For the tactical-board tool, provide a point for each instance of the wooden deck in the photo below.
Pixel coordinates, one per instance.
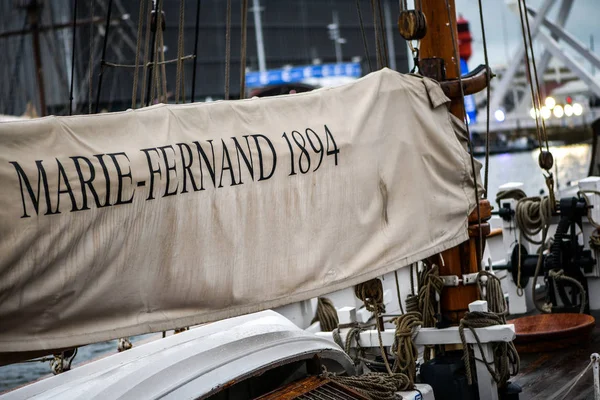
(543, 374)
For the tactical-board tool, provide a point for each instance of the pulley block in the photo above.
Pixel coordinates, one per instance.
(412, 24)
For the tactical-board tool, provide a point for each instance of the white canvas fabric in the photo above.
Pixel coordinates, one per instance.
(119, 224)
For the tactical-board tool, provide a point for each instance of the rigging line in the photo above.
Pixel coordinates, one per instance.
(537, 107)
(171, 61)
(101, 75)
(91, 61)
(163, 67)
(145, 81)
(376, 31)
(227, 49)
(195, 50)
(462, 96)
(155, 84)
(243, 49)
(488, 95)
(179, 52)
(138, 49)
(537, 83)
(73, 58)
(364, 36)
(383, 35)
(148, 83)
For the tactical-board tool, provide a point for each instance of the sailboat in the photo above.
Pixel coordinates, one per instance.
(286, 231)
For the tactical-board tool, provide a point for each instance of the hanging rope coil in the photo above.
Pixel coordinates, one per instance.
(506, 359)
(404, 347)
(326, 314)
(430, 290)
(490, 289)
(371, 294)
(560, 276)
(374, 385)
(532, 215)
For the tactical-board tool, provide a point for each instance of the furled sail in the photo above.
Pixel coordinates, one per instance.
(120, 224)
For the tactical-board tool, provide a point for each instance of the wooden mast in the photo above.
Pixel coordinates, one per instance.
(438, 61)
(437, 44)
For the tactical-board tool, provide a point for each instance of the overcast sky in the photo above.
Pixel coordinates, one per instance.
(503, 28)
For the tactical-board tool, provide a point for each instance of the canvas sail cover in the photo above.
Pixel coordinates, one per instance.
(126, 223)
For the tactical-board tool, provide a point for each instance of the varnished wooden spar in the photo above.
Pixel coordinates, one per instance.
(473, 82)
(438, 60)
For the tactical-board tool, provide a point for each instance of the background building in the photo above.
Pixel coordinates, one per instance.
(294, 33)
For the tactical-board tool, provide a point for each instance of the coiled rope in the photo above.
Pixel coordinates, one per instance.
(430, 289)
(533, 215)
(404, 347)
(374, 385)
(506, 359)
(326, 314)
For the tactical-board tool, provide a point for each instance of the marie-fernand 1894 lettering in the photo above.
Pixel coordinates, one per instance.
(78, 183)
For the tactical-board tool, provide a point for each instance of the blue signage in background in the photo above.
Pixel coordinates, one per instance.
(470, 106)
(298, 74)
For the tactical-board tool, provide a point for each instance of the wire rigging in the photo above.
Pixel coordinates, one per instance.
(228, 50)
(73, 58)
(195, 50)
(488, 96)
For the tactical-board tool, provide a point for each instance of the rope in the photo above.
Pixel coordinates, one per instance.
(228, 49)
(195, 50)
(364, 36)
(138, 49)
(163, 68)
(378, 52)
(60, 364)
(404, 347)
(91, 60)
(174, 60)
(538, 267)
(358, 354)
(537, 83)
(488, 95)
(146, 54)
(326, 314)
(516, 194)
(383, 35)
(490, 289)
(371, 294)
(532, 215)
(430, 288)
(560, 276)
(534, 99)
(398, 292)
(571, 384)
(243, 49)
(505, 354)
(73, 58)
(179, 71)
(584, 193)
(124, 344)
(374, 385)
